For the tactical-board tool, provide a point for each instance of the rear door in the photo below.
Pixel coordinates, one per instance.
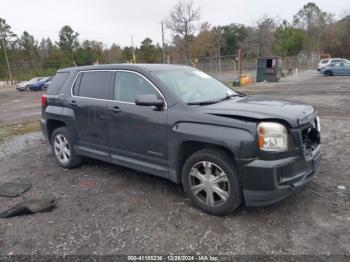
(89, 95)
(347, 69)
(137, 134)
(341, 68)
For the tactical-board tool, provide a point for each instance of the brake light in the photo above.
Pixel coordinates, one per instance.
(43, 101)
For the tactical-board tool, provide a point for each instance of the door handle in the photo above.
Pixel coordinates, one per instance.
(72, 103)
(116, 109)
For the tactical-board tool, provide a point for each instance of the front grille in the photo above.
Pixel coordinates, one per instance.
(310, 135)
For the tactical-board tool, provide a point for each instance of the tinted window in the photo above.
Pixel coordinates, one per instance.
(76, 85)
(57, 83)
(324, 61)
(95, 84)
(129, 85)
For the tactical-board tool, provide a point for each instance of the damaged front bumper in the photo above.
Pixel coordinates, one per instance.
(268, 181)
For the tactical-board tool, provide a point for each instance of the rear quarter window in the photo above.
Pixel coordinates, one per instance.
(57, 83)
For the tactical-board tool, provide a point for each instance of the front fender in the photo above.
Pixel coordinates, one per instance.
(240, 142)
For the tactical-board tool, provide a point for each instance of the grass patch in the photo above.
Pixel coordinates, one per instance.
(18, 129)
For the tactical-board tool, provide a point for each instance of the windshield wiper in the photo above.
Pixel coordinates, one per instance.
(201, 103)
(229, 96)
(209, 102)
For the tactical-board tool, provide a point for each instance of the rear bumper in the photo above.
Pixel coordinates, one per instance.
(43, 128)
(267, 182)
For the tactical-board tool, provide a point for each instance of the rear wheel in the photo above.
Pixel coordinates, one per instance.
(211, 181)
(63, 150)
(328, 73)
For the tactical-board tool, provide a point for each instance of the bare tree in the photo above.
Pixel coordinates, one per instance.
(265, 33)
(182, 20)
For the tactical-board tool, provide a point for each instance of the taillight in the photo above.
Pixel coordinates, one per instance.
(43, 101)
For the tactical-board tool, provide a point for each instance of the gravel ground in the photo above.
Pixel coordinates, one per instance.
(107, 209)
(17, 107)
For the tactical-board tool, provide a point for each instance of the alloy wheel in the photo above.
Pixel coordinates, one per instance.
(61, 148)
(209, 184)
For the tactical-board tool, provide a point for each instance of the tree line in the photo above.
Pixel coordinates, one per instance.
(311, 31)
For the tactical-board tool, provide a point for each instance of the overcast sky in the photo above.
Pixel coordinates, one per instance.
(114, 21)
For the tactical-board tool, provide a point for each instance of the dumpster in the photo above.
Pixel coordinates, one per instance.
(268, 69)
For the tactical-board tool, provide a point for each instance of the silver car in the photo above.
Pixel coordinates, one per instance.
(326, 62)
(23, 86)
(337, 69)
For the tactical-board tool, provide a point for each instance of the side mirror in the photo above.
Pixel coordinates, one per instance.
(149, 100)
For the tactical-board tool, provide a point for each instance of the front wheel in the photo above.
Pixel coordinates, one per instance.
(210, 180)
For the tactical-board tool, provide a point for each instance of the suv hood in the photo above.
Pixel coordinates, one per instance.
(294, 114)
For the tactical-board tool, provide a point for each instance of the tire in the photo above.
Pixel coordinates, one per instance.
(328, 73)
(63, 150)
(215, 163)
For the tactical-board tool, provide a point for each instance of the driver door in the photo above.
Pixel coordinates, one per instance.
(138, 135)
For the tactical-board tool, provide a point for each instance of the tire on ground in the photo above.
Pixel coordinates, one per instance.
(225, 162)
(74, 159)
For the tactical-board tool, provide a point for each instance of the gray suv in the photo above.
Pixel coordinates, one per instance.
(177, 122)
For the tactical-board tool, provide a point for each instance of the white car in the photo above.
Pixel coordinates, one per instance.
(325, 62)
(23, 86)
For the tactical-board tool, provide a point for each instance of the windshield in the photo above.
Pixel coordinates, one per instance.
(193, 86)
(324, 61)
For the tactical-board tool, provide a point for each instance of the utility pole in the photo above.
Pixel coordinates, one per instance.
(219, 56)
(5, 52)
(163, 42)
(240, 64)
(133, 51)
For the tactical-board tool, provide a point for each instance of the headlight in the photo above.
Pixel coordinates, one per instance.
(272, 136)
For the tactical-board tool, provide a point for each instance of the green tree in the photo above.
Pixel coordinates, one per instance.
(89, 53)
(45, 48)
(127, 54)
(315, 22)
(6, 32)
(6, 36)
(230, 37)
(30, 48)
(148, 52)
(57, 59)
(309, 16)
(68, 40)
(288, 40)
(113, 54)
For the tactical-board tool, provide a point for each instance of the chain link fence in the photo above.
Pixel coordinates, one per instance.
(224, 68)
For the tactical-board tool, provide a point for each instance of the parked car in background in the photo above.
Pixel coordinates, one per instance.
(325, 62)
(46, 85)
(39, 85)
(337, 69)
(177, 122)
(23, 86)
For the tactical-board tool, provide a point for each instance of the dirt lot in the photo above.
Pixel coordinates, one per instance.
(18, 107)
(106, 209)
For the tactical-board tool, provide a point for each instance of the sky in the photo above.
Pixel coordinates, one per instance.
(115, 21)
